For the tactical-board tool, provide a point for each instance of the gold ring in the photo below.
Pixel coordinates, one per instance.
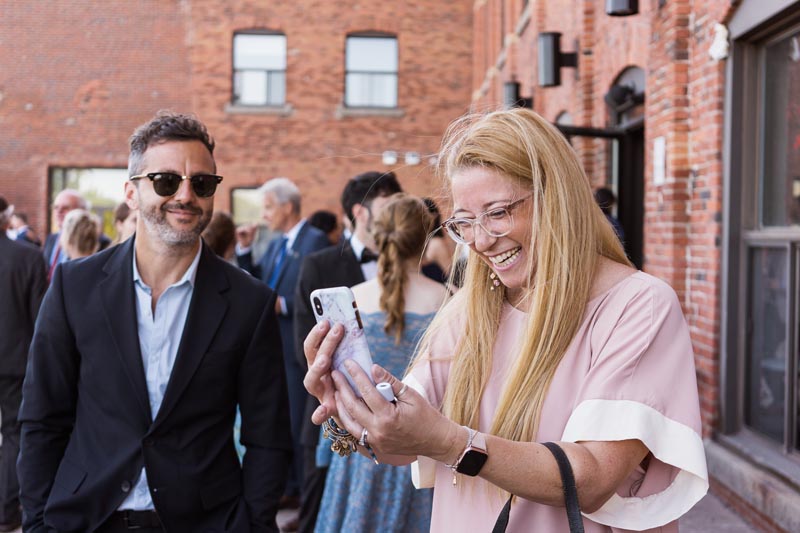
(402, 390)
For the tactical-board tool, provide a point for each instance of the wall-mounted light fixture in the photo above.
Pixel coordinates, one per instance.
(621, 98)
(622, 8)
(551, 59)
(511, 97)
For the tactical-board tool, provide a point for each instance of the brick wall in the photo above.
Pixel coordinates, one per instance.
(75, 80)
(684, 104)
(76, 77)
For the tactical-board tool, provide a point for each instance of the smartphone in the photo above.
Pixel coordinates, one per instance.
(338, 306)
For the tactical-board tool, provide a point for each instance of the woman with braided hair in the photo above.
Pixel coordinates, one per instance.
(395, 309)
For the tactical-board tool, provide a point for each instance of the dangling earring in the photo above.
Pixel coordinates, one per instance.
(495, 281)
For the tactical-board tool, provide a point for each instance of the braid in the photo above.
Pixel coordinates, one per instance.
(400, 232)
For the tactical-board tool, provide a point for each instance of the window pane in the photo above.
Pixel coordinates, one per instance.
(251, 87)
(266, 52)
(103, 188)
(765, 406)
(371, 90)
(277, 88)
(371, 54)
(780, 195)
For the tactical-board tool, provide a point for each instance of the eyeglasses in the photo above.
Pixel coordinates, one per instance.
(168, 183)
(497, 222)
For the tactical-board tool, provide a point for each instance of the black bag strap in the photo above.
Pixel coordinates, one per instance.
(570, 494)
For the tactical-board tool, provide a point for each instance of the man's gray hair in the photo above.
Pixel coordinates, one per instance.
(285, 191)
(83, 203)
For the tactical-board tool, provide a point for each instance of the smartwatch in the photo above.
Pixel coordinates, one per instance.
(474, 456)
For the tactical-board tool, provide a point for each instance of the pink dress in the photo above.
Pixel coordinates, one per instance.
(628, 374)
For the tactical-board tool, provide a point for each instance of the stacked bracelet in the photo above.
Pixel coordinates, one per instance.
(342, 442)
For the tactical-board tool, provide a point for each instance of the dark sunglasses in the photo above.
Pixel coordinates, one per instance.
(168, 183)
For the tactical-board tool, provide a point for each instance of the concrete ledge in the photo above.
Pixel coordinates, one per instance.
(389, 112)
(763, 492)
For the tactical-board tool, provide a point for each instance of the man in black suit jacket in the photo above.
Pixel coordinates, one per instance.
(22, 285)
(140, 357)
(279, 268)
(347, 264)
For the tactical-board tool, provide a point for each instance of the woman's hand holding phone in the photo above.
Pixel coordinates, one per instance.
(338, 337)
(319, 347)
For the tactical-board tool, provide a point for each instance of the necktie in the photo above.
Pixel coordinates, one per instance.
(56, 255)
(368, 256)
(276, 266)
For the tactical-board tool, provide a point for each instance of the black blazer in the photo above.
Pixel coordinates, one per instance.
(87, 428)
(23, 281)
(309, 239)
(335, 266)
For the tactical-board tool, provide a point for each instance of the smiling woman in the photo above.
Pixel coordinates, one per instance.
(553, 337)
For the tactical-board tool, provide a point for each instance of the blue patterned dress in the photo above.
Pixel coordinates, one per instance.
(361, 496)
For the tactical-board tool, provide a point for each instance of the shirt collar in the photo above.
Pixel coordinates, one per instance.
(189, 276)
(357, 246)
(291, 235)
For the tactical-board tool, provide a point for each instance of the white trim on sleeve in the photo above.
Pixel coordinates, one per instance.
(423, 470)
(669, 441)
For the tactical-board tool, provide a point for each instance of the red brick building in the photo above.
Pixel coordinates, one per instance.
(688, 110)
(313, 90)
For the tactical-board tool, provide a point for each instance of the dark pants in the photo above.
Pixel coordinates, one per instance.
(10, 398)
(313, 487)
(314, 479)
(297, 403)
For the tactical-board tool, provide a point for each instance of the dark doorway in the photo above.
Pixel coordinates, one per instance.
(625, 177)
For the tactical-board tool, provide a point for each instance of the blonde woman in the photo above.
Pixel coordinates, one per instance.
(395, 309)
(80, 234)
(553, 337)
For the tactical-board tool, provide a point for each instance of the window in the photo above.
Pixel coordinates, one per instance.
(103, 189)
(765, 252)
(259, 69)
(371, 71)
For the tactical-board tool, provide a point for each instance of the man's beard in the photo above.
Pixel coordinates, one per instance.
(155, 219)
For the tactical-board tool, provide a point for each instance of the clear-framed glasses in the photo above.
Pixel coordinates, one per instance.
(496, 222)
(168, 183)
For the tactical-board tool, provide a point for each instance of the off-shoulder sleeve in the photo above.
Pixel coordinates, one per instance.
(642, 385)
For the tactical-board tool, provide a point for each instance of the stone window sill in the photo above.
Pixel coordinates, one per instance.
(343, 111)
(281, 111)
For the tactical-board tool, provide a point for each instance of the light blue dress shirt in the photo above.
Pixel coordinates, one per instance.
(159, 337)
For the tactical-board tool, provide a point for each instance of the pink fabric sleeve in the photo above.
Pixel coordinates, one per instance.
(641, 385)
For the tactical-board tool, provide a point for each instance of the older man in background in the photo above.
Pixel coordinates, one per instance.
(279, 268)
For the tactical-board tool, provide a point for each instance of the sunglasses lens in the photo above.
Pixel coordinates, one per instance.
(165, 183)
(204, 185)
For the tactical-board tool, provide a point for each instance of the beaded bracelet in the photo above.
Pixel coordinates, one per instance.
(342, 442)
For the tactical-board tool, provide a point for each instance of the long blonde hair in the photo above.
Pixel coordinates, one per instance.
(568, 233)
(400, 232)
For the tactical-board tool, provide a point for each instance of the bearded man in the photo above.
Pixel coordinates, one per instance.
(139, 359)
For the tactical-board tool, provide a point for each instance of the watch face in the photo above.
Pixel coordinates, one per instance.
(472, 462)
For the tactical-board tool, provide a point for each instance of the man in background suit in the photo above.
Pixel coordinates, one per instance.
(279, 268)
(348, 264)
(67, 200)
(23, 282)
(139, 359)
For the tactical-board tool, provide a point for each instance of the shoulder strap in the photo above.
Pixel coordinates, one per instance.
(570, 494)
(570, 490)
